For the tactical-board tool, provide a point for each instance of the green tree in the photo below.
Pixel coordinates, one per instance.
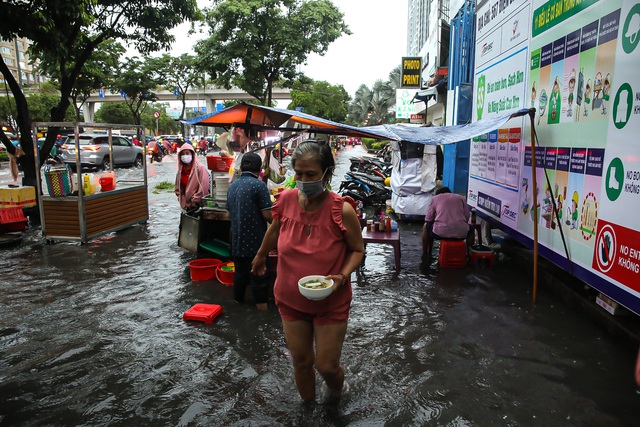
(375, 105)
(360, 107)
(8, 111)
(114, 112)
(179, 74)
(136, 82)
(394, 78)
(383, 100)
(97, 71)
(320, 98)
(254, 44)
(68, 33)
(165, 123)
(41, 100)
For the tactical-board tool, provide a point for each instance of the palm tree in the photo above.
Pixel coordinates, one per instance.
(376, 105)
(394, 78)
(360, 107)
(383, 100)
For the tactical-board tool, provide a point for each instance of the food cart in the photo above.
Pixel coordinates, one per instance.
(83, 215)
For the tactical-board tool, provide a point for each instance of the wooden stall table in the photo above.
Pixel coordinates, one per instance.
(84, 218)
(390, 238)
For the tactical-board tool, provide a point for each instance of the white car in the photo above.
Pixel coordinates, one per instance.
(94, 151)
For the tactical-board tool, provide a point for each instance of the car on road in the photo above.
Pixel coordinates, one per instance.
(94, 151)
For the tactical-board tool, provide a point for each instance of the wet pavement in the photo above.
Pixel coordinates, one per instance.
(93, 335)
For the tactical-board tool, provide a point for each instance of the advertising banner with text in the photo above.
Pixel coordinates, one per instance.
(576, 63)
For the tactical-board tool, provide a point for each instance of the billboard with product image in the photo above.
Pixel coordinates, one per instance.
(575, 62)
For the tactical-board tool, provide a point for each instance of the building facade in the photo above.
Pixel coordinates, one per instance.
(428, 38)
(15, 56)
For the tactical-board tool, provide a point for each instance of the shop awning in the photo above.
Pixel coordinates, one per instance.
(258, 117)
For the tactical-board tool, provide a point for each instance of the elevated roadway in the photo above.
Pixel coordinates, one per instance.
(210, 95)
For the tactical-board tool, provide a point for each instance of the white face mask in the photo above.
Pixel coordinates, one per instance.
(186, 159)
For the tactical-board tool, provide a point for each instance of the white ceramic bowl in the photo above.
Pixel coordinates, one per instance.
(315, 293)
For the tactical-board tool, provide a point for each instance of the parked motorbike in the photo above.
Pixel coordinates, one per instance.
(371, 166)
(54, 157)
(369, 189)
(385, 153)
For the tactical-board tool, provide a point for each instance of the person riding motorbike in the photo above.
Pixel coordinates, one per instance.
(154, 151)
(202, 146)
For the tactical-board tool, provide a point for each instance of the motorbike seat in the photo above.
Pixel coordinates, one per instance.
(374, 178)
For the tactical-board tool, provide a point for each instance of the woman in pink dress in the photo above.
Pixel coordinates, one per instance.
(315, 232)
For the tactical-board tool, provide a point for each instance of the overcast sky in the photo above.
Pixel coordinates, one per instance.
(377, 45)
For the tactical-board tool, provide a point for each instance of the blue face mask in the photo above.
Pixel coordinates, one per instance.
(311, 189)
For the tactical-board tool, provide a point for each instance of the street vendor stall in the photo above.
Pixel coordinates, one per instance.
(72, 209)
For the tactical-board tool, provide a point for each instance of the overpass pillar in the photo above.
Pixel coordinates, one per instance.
(211, 105)
(89, 112)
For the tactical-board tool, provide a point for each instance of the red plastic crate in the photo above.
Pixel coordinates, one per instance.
(203, 312)
(219, 163)
(453, 253)
(12, 219)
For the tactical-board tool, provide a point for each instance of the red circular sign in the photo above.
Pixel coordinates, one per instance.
(156, 114)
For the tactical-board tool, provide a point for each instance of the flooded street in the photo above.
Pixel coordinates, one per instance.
(93, 335)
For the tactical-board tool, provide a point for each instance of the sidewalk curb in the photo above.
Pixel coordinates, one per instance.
(575, 293)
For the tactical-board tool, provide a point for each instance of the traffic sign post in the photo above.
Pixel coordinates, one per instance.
(156, 115)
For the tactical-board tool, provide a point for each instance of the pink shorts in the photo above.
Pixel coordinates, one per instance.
(339, 314)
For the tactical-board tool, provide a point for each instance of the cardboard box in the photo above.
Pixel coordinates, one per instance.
(21, 197)
(610, 305)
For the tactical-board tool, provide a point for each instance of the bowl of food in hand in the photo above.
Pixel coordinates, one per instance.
(315, 287)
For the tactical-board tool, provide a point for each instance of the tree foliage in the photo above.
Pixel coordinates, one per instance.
(99, 69)
(254, 44)
(320, 98)
(375, 105)
(136, 82)
(179, 74)
(67, 33)
(114, 112)
(41, 101)
(119, 112)
(8, 111)
(166, 124)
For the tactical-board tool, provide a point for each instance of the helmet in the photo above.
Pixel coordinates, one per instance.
(575, 198)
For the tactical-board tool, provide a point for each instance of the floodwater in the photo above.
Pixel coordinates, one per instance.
(92, 335)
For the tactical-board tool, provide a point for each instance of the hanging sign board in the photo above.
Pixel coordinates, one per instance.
(411, 71)
(404, 103)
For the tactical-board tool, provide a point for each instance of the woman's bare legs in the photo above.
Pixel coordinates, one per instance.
(329, 340)
(299, 336)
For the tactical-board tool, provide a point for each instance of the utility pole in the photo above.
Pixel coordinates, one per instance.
(15, 43)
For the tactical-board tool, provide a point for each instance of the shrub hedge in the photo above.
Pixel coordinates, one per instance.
(373, 144)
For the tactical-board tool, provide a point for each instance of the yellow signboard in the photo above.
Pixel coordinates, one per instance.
(411, 71)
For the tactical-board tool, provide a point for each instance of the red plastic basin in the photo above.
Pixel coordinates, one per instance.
(225, 272)
(203, 268)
